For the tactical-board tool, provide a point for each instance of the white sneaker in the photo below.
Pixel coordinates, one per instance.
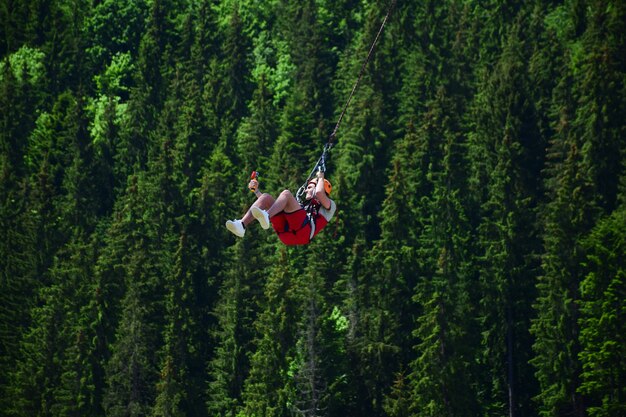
(236, 227)
(261, 216)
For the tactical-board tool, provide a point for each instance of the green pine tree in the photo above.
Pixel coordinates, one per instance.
(602, 309)
(235, 312)
(131, 371)
(114, 28)
(180, 385)
(508, 158)
(320, 367)
(444, 370)
(257, 132)
(583, 183)
(386, 315)
(268, 391)
(148, 248)
(79, 367)
(21, 262)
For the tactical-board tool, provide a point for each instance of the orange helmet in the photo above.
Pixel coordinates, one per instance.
(327, 185)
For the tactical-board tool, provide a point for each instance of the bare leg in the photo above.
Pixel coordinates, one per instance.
(285, 202)
(264, 202)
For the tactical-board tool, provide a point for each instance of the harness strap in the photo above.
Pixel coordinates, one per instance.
(312, 223)
(311, 213)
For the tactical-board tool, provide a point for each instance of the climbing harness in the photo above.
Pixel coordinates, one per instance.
(320, 165)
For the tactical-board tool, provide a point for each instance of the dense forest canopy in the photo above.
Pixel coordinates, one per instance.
(476, 263)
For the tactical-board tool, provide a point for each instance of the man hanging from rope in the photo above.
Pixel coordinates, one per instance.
(295, 223)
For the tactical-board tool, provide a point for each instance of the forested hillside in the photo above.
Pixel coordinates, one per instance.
(476, 265)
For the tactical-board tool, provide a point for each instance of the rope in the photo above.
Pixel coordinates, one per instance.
(321, 162)
(361, 72)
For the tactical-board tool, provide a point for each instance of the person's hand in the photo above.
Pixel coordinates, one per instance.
(253, 185)
(320, 174)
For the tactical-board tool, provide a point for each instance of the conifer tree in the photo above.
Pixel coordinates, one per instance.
(557, 286)
(226, 82)
(18, 284)
(219, 197)
(114, 28)
(235, 311)
(131, 371)
(507, 156)
(13, 31)
(19, 281)
(268, 390)
(444, 369)
(153, 60)
(22, 79)
(179, 390)
(299, 22)
(236, 86)
(601, 321)
(366, 131)
(385, 319)
(66, 369)
(131, 151)
(99, 315)
(397, 403)
(582, 184)
(18, 236)
(37, 373)
(193, 140)
(320, 367)
(358, 175)
(294, 143)
(79, 366)
(81, 206)
(185, 206)
(396, 261)
(257, 132)
(60, 148)
(204, 44)
(309, 380)
(104, 130)
(110, 283)
(64, 43)
(153, 204)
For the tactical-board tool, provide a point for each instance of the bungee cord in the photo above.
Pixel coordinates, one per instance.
(321, 162)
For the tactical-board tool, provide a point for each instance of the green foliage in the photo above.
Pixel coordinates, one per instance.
(602, 307)
(114, 28)
(443, 368)
(507, 151)
(131, 375)
(180, 385)
(579, 194)
(26, 64)
(235, 312)
(18, 287)
(268, 390)
(257, 131)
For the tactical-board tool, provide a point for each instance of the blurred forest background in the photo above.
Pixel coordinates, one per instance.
(476, 266)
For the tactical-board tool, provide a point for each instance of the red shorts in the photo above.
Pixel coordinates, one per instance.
(292, 228)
